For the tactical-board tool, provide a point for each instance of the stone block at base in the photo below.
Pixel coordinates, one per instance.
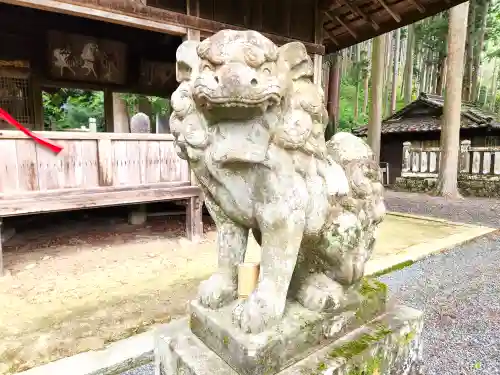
(300, 332)
(388, 345)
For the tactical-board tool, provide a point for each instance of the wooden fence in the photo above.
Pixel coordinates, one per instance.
(474, 161)
(88, 161)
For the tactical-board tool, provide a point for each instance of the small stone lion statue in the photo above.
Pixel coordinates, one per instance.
(250, 121)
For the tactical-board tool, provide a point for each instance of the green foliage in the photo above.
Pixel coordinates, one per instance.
(71, 108)
(346, 108)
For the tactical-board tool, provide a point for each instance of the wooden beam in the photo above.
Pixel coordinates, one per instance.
(366, 32)
(16, 207)
(419, 6)
(99, 14)
(328, 15)
(177, 23)
(396, 17)
(355, 9)
(331, 37)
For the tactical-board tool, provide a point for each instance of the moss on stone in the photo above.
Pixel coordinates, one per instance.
(369, 287)
(407, 338)
(225, 341)
(322, 366)
(370, 367)
(396, 267)
(355, 347)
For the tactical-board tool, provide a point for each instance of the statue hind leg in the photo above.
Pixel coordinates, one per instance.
(221, 288)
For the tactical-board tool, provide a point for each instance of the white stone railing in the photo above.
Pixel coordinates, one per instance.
(473, 161)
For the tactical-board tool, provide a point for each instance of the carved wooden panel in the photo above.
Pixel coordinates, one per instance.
(85, 58)
(156, 74)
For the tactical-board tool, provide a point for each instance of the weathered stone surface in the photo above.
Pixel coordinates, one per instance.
(250, 121)
(138, 217)
(389, 345)
(300, 332)
(140, 123)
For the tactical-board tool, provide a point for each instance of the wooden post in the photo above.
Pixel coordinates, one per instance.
(1, 251)
(108, 111)
(37, 102)
(406, 156)
(193, 9)
(465, 156)
(92, 125)
(194, 219)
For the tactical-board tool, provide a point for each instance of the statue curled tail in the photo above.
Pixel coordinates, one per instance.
(356, 215)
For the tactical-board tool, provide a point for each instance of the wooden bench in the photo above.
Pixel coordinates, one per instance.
(93, 170)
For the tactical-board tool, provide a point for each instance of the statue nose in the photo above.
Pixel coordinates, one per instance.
(235, 76)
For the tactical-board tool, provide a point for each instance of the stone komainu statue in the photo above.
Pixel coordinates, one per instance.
(250, 122)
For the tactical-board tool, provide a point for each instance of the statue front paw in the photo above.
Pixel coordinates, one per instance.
(256, 313)
(219, 290)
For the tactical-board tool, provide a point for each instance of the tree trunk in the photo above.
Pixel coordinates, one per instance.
(450, 129)
(120, 114)
(395, 70)
(387, 74)
(483, 15)
(377, 74)
(423, 71)
(493, 87)
(440, 74)
(408, 80)
(366, 89)
(467, 80)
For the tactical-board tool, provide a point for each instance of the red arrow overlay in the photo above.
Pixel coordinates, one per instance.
(41, 141)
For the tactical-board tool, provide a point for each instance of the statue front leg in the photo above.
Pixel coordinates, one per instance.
(282, 230)
(221, 288)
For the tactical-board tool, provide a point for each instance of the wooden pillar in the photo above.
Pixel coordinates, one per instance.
(333, 92)
(318, 70)
(1, 251)
(193, 9)
(36, 92)
(194, 209)
(318, 38)
(194, 219)
(108, 111)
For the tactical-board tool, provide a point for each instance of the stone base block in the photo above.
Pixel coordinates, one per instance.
(138, 217)
(388, 345)
(301, 331)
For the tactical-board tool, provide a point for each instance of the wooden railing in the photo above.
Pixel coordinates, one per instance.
(473, 161)
(89, 161)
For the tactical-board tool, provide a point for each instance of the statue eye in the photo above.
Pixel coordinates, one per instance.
(207, 68)
(266, 70)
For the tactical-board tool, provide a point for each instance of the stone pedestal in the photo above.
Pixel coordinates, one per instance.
(361, 335)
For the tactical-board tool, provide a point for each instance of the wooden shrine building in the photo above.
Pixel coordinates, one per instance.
(419, 124)
(129, 46)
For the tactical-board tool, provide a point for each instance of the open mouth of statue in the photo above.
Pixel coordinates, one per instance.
(263, 101)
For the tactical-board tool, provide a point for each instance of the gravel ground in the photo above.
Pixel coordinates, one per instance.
(469, 210)
(458, 290)
(459, 293)
(143, 370)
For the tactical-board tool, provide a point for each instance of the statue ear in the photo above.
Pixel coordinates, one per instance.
(187, 60)
(293, 57)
